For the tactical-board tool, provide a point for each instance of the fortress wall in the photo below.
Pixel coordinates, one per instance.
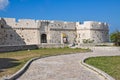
(23, 32)
(62, 25)
(83, 34)
(93, 25)
(22, 23)
(44, 26)
(27, 31)
(93, 31)
(10, 37)
(99, 36)
(71, 36)
(99, 32)
(2, 35)
(19, 36)
(57, 28)
(10, 22)
(29, 36)
(27, 23)
(56, 36)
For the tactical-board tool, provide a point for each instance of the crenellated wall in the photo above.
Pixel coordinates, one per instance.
(93, 32)
(23, 32)
(30, 32)
(59, 28)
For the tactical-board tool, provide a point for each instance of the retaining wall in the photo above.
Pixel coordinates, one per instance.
(17, 48)
(29, 47)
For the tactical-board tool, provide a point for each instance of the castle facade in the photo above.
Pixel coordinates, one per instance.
(30, 32)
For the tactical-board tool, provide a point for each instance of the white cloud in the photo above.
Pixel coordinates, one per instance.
(3, 4)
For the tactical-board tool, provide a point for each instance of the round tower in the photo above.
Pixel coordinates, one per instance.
(92, 32)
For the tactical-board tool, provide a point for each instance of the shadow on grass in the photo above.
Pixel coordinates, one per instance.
(6, 63)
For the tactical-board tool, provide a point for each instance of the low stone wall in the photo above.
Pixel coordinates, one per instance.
(105, 48)
(17, 48)
(97, 44)
(29, 47)
(101, 48)
(44, 45)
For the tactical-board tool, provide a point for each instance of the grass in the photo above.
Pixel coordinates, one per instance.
(110, 65)
(10, 62)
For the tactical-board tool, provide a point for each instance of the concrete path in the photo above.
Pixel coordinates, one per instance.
(65, 67)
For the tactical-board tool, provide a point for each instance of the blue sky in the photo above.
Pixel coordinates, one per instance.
(67, 10)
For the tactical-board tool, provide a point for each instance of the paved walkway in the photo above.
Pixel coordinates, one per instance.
(65, 67)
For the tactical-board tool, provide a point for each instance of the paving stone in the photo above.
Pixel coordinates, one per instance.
(65, 67)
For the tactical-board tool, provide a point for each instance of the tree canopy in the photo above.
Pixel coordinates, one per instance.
(115, 37)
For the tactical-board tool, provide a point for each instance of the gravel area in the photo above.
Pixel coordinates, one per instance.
(65, 67)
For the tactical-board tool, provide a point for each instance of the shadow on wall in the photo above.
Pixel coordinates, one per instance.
(9, 36)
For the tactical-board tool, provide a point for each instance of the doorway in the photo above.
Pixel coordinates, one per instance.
(43, 38)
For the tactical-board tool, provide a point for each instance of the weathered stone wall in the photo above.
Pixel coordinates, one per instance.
(92, 32)
(29, 36)
(56, 36)
(29, 32)
(99, 36)
(9, 48)
(83, 35)
(23, 32)
(57, 29)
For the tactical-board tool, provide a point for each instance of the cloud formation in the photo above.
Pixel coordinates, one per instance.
(3, 4)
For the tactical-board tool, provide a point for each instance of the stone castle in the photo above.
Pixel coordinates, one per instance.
(30, 32)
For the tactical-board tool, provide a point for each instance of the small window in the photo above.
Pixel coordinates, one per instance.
(2, 26)
(79, 35)
(58, 24)
(22, 36)
(11, 35)
(22, 28)
(6, 35)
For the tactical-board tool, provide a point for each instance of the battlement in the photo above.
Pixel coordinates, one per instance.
(21, 23)
(62, 25)
(92, 25)
(30, 31)
(31, 23)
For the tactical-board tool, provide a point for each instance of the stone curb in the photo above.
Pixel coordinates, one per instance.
(98, 71)
(21, 71)
(25, 67)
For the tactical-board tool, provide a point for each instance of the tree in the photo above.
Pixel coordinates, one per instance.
(115, 37)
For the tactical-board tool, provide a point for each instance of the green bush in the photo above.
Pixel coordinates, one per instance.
(115, 37)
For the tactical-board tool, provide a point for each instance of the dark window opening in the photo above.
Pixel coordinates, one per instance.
(11, 35)
(2, 26)
(43, 38)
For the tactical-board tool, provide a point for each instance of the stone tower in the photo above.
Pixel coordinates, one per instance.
(92, 32)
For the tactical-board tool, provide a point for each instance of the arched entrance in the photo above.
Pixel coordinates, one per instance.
(64, 38)
(43, 38)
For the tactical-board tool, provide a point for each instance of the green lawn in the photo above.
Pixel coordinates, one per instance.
(10, 62)
(110, 65)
